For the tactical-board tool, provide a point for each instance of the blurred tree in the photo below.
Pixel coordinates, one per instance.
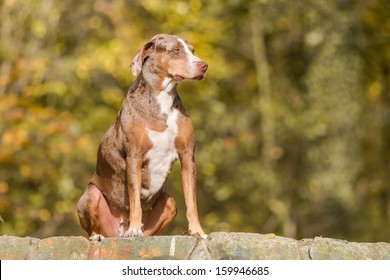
(334, 98)
(373, 188)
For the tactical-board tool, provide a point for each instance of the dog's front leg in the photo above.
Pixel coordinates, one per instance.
(188, 174)
(134, 179)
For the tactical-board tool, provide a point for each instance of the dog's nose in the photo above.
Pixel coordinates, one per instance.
(204, 66)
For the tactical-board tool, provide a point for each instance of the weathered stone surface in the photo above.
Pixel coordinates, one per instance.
(140, 248)
(63, 248)
(332, 249)
(304, 247)
(252, 246)
(201, 251)
(218, 245)
(17, 248)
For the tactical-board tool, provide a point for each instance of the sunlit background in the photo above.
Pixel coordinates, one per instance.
(292, 121)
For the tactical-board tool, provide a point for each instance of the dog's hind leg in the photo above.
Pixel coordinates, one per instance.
(160, 216)
(95, 216)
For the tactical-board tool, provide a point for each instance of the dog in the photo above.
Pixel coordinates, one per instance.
(151, 131)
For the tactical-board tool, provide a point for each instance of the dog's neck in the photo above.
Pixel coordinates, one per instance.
(167, 95)
(154, 99)
(153, 86)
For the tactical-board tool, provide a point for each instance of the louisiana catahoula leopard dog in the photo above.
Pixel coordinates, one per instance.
(152, 130)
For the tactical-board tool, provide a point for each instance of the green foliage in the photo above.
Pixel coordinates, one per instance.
(292, 121)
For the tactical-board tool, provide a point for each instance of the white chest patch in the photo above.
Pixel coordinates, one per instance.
(163, 153)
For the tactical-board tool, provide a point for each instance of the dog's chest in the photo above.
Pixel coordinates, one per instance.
(163, 152)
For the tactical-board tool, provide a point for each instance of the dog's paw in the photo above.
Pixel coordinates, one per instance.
(96, 237)
(200, 235)
(204, 236)
(133, 232)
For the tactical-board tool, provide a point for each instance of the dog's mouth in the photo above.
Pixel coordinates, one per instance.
(200, 77)
(180, 78)
(198, 72)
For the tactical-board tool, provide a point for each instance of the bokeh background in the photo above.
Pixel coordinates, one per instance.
(292, 121)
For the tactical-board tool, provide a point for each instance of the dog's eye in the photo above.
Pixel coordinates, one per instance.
(177, 49)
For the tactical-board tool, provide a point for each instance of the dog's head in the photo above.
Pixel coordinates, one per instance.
(168, 56)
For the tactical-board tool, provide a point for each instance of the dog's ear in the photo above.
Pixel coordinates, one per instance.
(141, 57)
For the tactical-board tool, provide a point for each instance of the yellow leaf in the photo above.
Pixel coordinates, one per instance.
(44, 215)
(271, 235)
(25, 170)
(374, 91)
(4, 187)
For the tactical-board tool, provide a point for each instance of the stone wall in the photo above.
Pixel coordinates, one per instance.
(218, 245)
